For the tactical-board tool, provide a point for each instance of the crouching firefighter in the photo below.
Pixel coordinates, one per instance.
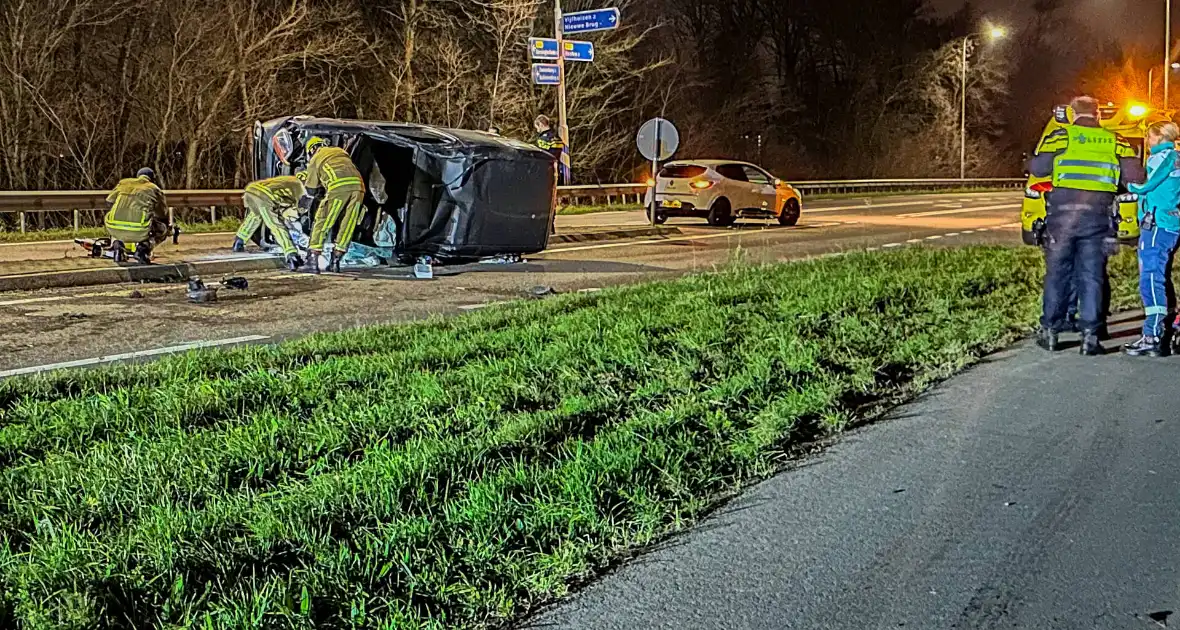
(138, 215)
(1087, 164)
(266, 201)
(332, 169)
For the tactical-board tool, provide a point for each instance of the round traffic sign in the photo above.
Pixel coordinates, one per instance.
(658, 139)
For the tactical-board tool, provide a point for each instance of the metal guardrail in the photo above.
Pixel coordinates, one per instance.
(93, 202)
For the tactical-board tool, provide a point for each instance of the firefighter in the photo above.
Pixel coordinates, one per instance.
(266, 200)
(332, 169)
(1087, 164)
(138, 215)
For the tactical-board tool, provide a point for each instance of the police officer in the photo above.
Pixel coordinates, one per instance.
(549, 140)
(1087, 164)
(138, 215)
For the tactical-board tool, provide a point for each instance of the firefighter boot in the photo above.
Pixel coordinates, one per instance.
(1145, 347)
(117, 252)
(1091, 347)
(294, 262)
(143, 253)
(312, 264)
(334, 262)
(239, 246)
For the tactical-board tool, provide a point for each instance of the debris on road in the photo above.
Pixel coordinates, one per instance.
(198, 293)
(237, 283)
(136, 295)
(507, 259)
(423, 270)
(542, 291)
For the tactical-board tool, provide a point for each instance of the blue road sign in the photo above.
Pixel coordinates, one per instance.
(578, 51)
(546, 74)
(590, 21)
(545, 48)
(542, 48)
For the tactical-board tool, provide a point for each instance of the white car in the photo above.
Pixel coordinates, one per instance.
(722, 191)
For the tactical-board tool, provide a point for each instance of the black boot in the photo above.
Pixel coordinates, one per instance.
(1145, 347)
(1091, 347)
(239, 246)
(312, 264)
(117, 252)
(143, 253)
(294, 262)
(1047, 339)
(334, 262)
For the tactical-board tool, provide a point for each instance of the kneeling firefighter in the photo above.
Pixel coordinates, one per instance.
(332, 169)
(266, 201)
(138, 215)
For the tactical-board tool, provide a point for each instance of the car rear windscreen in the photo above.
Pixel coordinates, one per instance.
(682, 171)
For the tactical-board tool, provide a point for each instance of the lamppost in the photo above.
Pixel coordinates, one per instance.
(995, 33)
(1151, 80)
(1167, 46)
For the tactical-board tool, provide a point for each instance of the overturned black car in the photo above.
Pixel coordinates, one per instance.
(453, 195)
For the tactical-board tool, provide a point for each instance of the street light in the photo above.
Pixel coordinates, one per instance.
(995, 33)
(1151, 79)
(1167, 47)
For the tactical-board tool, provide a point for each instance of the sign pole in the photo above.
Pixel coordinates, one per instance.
(655, 172)
(563, 130)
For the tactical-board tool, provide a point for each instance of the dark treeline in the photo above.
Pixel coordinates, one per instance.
(92, 89)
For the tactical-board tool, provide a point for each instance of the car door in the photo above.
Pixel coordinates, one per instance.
(737, 187)
(762, 188)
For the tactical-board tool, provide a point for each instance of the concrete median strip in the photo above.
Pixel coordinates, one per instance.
(182, 271)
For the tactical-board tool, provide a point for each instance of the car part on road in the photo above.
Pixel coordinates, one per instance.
(237, 283)
(198, 293)
(541, 291)
(423, 269)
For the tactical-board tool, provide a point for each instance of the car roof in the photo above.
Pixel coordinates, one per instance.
(710, 163)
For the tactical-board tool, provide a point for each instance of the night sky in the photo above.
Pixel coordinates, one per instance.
(1130, 21)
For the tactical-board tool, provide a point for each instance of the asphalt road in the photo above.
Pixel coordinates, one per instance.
(1035, 491)
(50, 327)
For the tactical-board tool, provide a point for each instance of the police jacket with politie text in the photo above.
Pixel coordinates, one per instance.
(1056, 143)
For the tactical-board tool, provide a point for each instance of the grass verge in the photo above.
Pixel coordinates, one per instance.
(456, 473)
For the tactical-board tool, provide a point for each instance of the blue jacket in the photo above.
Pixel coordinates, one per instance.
(1161, 193)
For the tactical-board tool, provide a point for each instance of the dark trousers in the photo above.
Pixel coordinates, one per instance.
(1075, 260)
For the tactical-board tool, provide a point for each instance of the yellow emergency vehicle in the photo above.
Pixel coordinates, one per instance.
(1131, 123)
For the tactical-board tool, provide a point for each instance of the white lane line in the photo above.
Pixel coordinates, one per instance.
(869, 206)
(196, 345)
(891, 245)
(914, 240)
(935, 213)
(32, 301)
(934, 238)
(967, 232)
(951, 234)
(676, 239)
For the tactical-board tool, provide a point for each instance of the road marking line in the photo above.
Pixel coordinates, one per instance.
(676, 239)
(924, 202)
(196, 345)
(891, 245)
(914, 240)
(951, 234)
(933, 238)
(967, 232)
(935, 213)
(32, 301)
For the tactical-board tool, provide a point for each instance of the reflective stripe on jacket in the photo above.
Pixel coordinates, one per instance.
(1088, 161)
(332, 168)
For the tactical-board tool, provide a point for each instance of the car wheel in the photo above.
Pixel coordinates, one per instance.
(790, 213)
(721, 214)
(661, 216)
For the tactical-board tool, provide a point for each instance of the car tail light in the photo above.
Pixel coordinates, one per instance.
(703, 184)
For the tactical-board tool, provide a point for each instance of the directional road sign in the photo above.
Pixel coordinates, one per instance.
(578, 51)
(543, 48)
(546, 48)
(590, 21)
(546, 74)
